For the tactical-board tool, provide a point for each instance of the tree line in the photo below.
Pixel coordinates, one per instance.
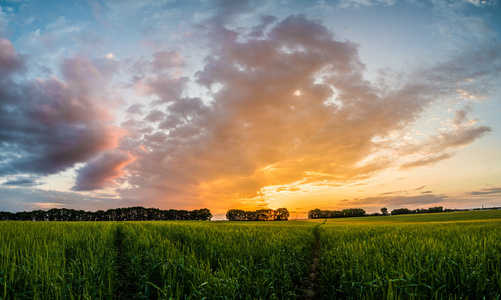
(137, 213)
(325, 214)
(406, 211)
(266, 214)
(358, 212)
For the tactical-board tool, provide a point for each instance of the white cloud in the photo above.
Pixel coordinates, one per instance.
(482, 2)
(358, 3)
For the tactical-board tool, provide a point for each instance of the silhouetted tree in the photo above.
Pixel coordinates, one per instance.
(137, 213)
(315, 213)
(236, 215)
(436, 209)
(384, 211)
(402, 211)
(321, 214)
(281, 214)
(265, 214)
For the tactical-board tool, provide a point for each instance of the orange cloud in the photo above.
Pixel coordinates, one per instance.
(292, 110)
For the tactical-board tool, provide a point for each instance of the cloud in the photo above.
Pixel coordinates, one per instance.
(458, 28)
(125, 8)
(257, 131)
(62, 26)
(48, 41)
(458, 138)
(3, 21)
(226, 11)
(437, 144)
(135, 109)
(23, 181)
(10, 60)
(167, 59)
(154, 116)
(463, 131)
(482, 2)
(101, 171)
(265, 21)
(359, 3)
(162, 62)
(288, 107)
(167, 88)
(426, 161)
(255, 118)
(461, 116)
(16, 199)
(400, 201)
(161, 76)
(491, 191)
(48, 125)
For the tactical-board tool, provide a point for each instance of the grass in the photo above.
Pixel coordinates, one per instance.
(450, 255)
(211, 260)
(443, 255)
(50, 260)
(458, 216)
(153, 260)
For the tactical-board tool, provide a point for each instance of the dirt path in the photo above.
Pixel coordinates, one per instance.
(311, 281)
(124, 288)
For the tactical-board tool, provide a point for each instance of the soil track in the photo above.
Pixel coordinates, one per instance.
(125, 286)
(310, 282)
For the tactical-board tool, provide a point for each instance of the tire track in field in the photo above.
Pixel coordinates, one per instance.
(310, 283)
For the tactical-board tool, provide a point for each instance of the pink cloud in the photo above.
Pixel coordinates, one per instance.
(55, 123)
(10, 60)
(101, 171)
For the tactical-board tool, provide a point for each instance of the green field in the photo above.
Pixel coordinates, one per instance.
(449, 255)
(444, 255)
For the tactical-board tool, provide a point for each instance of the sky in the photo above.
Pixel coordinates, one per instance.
(225, 104)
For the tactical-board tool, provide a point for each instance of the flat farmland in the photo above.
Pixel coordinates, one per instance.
(449, 255)
(153, 260)
(444, 255)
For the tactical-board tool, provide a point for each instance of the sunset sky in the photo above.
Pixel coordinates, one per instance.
(250, 104)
